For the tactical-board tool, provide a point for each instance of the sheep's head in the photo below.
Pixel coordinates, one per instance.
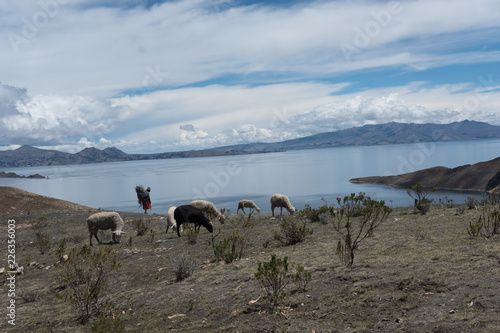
(292, 210)
(210, 227)
(117, 235)
(221, 219)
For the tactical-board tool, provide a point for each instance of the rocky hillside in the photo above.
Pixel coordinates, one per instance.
(483, 176)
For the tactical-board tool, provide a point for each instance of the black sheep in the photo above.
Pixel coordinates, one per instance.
(189, 214)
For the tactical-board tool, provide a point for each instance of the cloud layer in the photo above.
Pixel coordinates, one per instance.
(193, 74)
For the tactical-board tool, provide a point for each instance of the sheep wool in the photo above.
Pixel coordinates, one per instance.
(281, 201)
(171, 223)
(242, 204)
(208, 208)
(104, 221)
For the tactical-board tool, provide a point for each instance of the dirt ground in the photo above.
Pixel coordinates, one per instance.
(415, 274)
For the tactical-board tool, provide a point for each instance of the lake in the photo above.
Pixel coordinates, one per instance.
(305, 176)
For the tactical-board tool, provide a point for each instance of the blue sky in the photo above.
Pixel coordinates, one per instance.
(153, 76)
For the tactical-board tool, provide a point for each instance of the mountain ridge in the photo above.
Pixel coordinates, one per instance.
(382, 134)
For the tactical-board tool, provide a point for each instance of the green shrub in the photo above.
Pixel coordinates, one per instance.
(183, 267)
(475, 227)
(140, 227)
(421, 196)
(61, 248)
(301, 278)
(292, 233)
(42, 240)
(108, 325)
(84, 276)
(192, 236)
(273, 278)
(230, 248)
(356, 220)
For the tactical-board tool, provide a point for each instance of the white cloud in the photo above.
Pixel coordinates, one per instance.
(119, 73)
(52, 119)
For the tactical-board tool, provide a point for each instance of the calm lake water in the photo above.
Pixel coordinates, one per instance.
(305, 176)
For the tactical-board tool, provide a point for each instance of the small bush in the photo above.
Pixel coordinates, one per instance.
(314, 215)
(475, 227)
(85, 275)
(183, 267)
(292, 233)
(273, 278)
(108, 325)
(230, 248)
(42, 240)
(471, 202)
(192, 236)
(421, 196)
(61, 248)
(301, 278)
(140, 227)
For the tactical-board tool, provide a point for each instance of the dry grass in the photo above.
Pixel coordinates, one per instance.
(416, 274)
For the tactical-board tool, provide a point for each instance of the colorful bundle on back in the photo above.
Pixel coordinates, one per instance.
(139, 189)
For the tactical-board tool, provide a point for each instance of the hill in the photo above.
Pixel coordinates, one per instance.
(15, 201)
(483, 176)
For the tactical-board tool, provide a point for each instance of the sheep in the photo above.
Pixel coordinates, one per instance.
(281, 200)
(171, 223)
(189, 214)
(208, 207)
(104, 221)
(248, 204)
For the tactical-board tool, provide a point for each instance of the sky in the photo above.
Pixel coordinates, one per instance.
(157, 76)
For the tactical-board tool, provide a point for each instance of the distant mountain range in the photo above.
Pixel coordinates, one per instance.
(483, 176)
(390, 133)
(384, 134)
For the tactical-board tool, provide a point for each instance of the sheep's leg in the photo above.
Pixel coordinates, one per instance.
(281, 210)
(272, 210)
(178, 226)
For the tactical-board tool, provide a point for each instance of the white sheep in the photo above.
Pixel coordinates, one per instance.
(171, 223)
(104, 221)
(208, 208)
(281, 200)
(242, 204)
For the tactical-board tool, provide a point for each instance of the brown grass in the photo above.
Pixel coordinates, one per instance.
(416, 274)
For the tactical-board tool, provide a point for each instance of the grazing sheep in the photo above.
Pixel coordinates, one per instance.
(104, 221)
(207, 207)
(242, 204)
(189, 214)
(171, 223)
(281, 200)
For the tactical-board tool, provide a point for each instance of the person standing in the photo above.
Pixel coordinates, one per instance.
(144, 198)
